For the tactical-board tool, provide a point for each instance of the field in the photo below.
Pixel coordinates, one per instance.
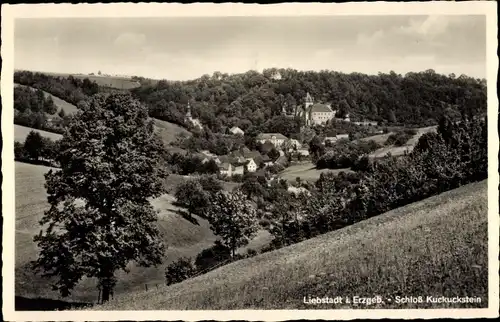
(306, 171)
(61, 104)
(436, 247)
(105, 81)
(21, 132)
(399, 150)
(168, 131)
(182, 237)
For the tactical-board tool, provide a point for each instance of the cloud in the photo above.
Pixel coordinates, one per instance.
(130, 39)
(364, 39)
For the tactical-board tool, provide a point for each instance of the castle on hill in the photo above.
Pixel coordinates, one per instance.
(314, 113)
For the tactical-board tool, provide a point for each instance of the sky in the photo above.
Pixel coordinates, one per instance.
(182, 48)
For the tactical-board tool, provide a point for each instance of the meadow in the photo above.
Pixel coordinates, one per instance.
(437, 247)
(21, 132)
(104, 81)
(398, 150)
(306, 171)
(183, 237)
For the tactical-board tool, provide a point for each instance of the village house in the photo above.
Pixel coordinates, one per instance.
(331, 139)
(238, 169)
(303, 152)
(236, 131)
(251, 165)
(226, 169)
(294, 143)
(342, 136)
(266, 160)
(277, 139)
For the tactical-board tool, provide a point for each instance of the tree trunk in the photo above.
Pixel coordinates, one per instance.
(105, 293)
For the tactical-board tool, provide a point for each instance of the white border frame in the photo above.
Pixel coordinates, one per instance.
(10, 12)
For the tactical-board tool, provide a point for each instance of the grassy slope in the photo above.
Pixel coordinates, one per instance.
(437, 246)
(182, 237)
(306, 171)
(61, 104)
(166, 130)
(21, 132)
(106, 81)
(399, 150)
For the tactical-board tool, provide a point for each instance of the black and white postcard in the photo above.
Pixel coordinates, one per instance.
(249, 162)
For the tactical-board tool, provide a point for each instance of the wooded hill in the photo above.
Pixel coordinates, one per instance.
(253, 100)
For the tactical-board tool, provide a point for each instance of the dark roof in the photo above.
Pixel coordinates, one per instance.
(266, 158)
(283, 160)
(320, 108)
(224, 166)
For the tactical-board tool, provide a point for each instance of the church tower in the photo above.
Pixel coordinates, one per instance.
(307, 109)
(188, 113)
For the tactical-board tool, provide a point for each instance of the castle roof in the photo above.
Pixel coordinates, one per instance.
(320, 108)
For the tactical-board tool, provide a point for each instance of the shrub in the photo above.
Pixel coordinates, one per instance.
(179, 270)
(212, 256)
(345, 154)
(400, 138)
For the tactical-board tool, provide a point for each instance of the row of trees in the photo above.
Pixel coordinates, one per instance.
(454, 156)
(252, 99)
(36, 149)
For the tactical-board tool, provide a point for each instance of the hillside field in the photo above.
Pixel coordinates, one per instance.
(399, 150)
(169, 131)
(104, 81)
(306, 171)
(182, 237)
(436, 247)
(21, 132)
(59, 103)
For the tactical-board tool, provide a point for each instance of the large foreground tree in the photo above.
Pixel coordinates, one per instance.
(100, 218)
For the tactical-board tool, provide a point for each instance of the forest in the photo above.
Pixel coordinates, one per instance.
(254, 101)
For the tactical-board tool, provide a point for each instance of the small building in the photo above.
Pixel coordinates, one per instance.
(342, 136)
(251, 165)
(331, 139)
(295, 144)
(236, 131)
(238, 169)
(303, 152)
(277, 139)
(226, 169)
(266, 160)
